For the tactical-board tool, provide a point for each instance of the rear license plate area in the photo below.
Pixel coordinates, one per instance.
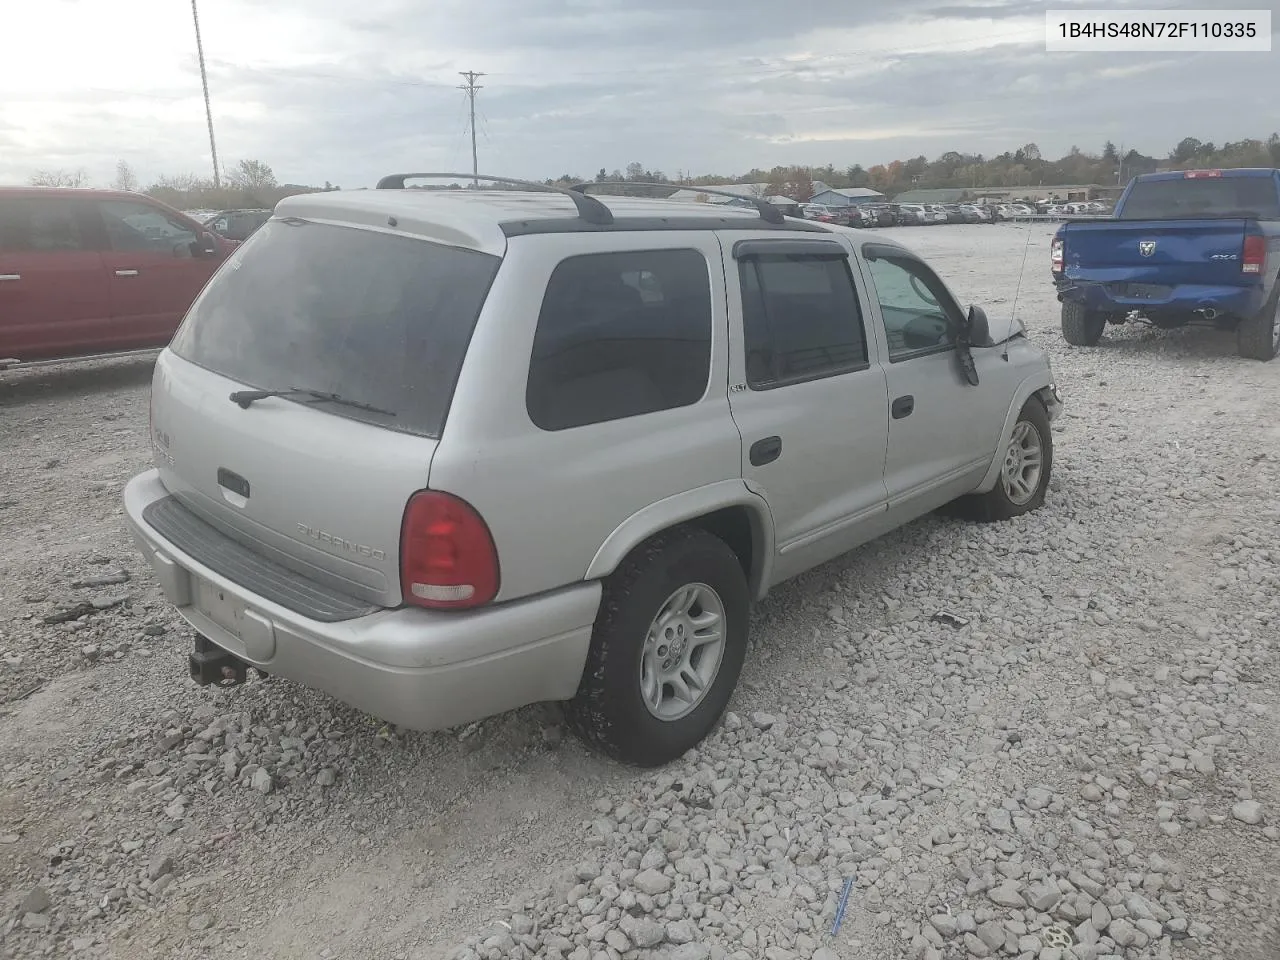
(1142, 291)
(220, 607)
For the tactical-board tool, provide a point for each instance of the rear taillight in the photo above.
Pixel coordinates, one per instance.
(447, 557)
(1255, 254)
(1056, 250)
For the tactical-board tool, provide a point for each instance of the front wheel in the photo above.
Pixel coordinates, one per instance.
(1081, 327)
(667, 649)
(1258, 337)
(1026, 465)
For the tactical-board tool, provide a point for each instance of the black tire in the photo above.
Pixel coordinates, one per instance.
(1256, 337)
(608, 712)
(996, 505)
(1081, 327)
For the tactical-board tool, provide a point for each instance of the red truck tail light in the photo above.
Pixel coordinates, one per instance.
(448, 560)
(1255, 254)
(1057, 251)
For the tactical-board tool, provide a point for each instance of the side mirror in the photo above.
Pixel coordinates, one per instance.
(207, 245)
(979, 328)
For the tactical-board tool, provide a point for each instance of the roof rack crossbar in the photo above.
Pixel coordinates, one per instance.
(767, 210)
(589, 208)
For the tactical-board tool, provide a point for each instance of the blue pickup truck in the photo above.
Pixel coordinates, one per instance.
(1188, 246)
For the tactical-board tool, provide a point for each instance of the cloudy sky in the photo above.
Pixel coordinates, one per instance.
(345, 90)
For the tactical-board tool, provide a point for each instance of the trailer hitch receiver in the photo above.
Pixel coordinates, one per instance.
(209, 663)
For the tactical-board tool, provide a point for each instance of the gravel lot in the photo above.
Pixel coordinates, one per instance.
(1092, 761)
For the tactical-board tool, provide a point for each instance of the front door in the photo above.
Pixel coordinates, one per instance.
(54, 299)
(943, 431)
(155, 267)
(807, 393)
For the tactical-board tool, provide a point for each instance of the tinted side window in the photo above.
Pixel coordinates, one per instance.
(801, 319)
(41, 225)
(913, 303)
(620, 335)
(136, 227)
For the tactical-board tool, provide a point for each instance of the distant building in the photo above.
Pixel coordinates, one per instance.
(939, 195)
(844, 196)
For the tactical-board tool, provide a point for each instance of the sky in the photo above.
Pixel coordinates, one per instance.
(347, 90)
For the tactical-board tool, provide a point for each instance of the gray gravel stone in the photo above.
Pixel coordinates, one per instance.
(1247, 811)
(651, 882)
(37, 900)
(1007, 894)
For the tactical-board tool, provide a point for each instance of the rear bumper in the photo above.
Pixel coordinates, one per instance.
(1244, 301)
(421, 669)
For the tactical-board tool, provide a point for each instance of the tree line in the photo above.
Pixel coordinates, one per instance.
(1024, 167)
(248, 184)
(252, 183)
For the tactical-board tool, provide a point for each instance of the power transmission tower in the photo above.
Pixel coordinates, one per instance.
(470, 88)
(208, 110)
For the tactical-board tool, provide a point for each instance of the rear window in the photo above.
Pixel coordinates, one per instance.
(1202, 198)
(377, 319)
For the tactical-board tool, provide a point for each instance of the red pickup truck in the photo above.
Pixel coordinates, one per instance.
(91, 272)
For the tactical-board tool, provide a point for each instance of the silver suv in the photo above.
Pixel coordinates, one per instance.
(443, 453)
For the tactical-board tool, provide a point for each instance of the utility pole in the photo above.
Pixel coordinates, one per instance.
(470, 88)
(208, 110)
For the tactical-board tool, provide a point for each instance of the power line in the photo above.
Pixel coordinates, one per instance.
(471, 88)
(208, 110)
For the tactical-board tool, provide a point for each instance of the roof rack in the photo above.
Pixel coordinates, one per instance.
(767, 210)
(589, 208)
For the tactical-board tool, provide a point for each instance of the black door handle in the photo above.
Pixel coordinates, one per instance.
(902, 407)
(765, 451)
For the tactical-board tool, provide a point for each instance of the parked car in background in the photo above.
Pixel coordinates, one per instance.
(797, 388)
(877, 215)
(817, 211)
(86, 272)
(910, 214)
(974, 213)
(237, 225)
(934, 214)
(954, 213)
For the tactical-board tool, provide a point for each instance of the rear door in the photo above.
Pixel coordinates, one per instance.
(155, 266)
(54, 298)
(807, 393)
(380, 320)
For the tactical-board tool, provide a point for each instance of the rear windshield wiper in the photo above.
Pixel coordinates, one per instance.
(246, 397)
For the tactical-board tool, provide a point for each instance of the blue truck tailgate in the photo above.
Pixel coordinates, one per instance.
(1164, 252)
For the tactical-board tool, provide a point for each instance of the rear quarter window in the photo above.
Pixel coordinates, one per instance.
(378, 319)
(620, 335)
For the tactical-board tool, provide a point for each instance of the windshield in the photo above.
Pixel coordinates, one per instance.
(376, 319)
(1202, 198)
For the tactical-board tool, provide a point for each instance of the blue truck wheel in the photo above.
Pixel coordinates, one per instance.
(1081, 327)
(1258, 337)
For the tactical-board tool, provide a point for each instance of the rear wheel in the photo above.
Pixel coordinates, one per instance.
(1026, 465)
(1258, 337)
(667, 649)
(1081, 327)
